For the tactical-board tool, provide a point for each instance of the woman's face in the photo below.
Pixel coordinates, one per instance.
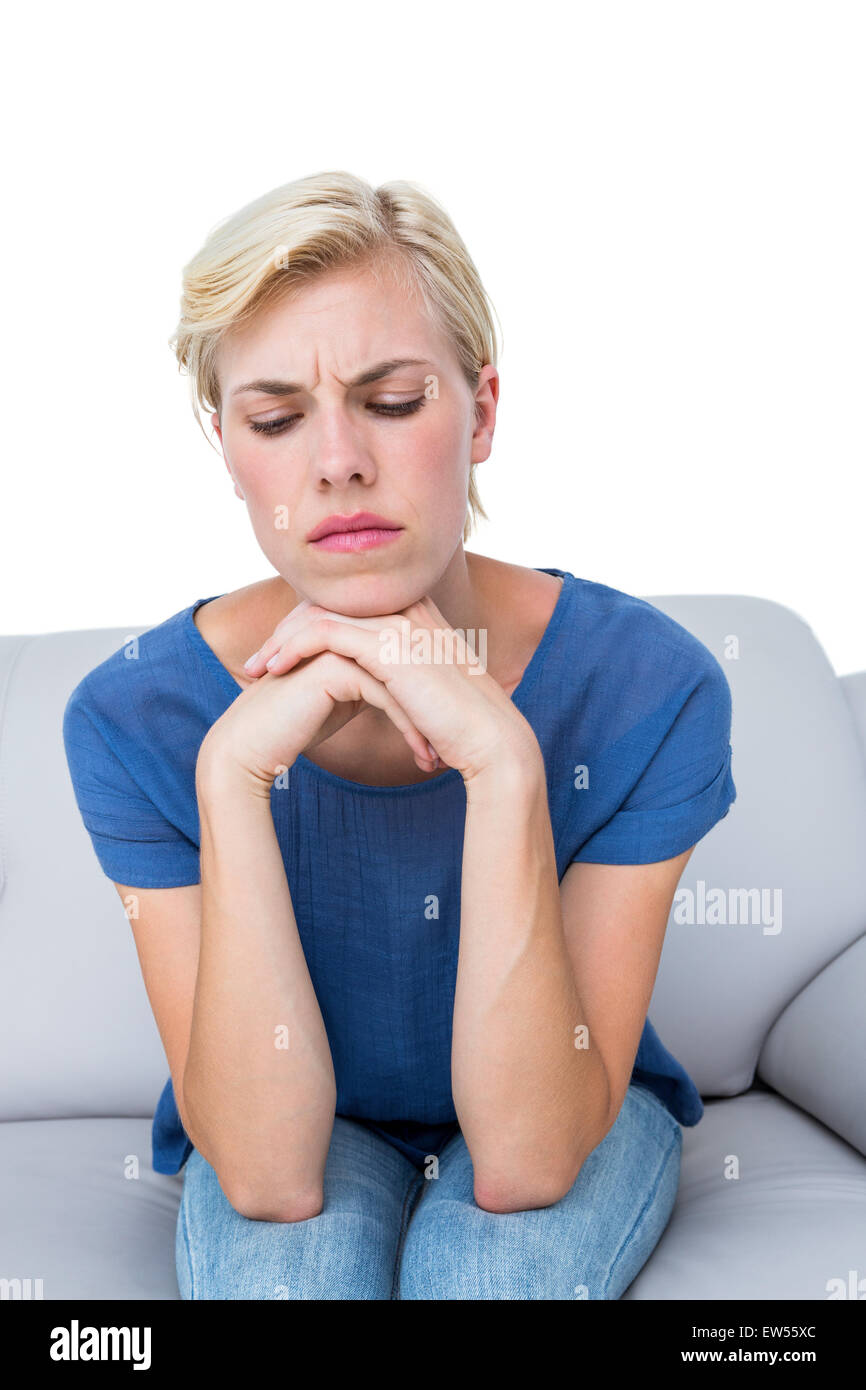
(306, 437)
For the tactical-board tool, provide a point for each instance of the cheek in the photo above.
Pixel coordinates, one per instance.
(266, 480)
(438, 461)
(256, 465)
(270, 492)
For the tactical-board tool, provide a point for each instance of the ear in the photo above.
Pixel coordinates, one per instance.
(486, 400)
(215, 421)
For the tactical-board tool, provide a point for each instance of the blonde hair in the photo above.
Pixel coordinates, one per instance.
(332, 220)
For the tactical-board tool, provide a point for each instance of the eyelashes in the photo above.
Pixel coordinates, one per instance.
(270, 427)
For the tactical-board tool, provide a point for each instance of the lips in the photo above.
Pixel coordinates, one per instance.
(361, 521)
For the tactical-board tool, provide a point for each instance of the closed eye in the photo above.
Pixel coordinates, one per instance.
(285, 422)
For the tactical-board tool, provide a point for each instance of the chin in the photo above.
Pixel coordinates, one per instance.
(368, 595)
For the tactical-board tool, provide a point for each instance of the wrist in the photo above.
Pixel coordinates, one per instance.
(219, 773)
(514, 773)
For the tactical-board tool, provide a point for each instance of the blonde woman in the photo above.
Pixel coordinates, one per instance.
(403, 822)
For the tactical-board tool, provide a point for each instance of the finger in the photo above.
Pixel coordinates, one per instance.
(421, 612)
(302, 612)
(375, 693)
(326, 634)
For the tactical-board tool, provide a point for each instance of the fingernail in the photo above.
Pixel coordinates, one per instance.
(270, 663)
(251, 660)
(431, 750)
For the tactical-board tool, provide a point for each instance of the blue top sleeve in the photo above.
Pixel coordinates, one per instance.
(686, 787)
(135, 843)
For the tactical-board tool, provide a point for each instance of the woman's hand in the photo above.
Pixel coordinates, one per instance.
(271, 722)
(438, 685)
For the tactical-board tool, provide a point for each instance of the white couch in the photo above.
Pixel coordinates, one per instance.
(768, 1014)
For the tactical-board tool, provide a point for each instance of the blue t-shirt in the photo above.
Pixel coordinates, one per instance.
(633, 716)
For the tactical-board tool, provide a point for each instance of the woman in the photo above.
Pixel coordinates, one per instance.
(398, 829)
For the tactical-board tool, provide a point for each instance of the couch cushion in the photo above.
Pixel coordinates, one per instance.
(790, 1224)
(72, 1218)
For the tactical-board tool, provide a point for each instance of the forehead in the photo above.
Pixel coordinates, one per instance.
(349, 318)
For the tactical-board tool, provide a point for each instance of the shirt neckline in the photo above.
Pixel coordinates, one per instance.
(518, 695)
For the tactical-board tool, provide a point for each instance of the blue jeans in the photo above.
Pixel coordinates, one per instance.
(386, 1231)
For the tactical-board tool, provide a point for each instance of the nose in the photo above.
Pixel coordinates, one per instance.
(339, 456)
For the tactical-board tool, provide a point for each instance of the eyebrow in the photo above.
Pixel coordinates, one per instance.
(272, 386)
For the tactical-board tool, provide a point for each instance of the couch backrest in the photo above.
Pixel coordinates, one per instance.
(76, 1028)
(796, 833)
(75, 1023)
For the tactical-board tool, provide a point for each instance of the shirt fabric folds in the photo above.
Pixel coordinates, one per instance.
(632, 715)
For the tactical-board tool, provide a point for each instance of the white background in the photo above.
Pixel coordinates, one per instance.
(666, 204)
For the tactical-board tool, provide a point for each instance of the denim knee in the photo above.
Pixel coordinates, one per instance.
(589, 1245)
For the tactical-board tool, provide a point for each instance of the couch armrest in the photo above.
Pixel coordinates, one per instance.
(854, 690)
(815, 1053)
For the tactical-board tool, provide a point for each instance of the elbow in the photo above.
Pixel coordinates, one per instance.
(550, 1181)
(508, 1192)
(528, 1195)
(259, 1195)
(270, 1205)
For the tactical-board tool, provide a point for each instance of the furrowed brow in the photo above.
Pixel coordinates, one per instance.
(272, 386)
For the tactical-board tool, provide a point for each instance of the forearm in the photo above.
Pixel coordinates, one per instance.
(530, 1103)
(259, 1082)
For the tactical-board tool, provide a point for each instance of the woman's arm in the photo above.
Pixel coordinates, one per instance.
(262, 1112)
(541, 966)
(528, 1100)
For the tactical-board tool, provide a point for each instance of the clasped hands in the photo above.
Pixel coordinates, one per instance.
(464, 714)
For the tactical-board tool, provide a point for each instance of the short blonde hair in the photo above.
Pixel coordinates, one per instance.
(327, 221)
